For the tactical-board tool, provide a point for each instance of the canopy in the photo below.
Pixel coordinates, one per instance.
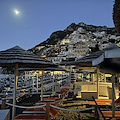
(23, 58)
(115, 53)
(18, 57)
(96, 58)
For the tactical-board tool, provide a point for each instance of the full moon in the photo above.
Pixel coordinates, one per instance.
(16, 12)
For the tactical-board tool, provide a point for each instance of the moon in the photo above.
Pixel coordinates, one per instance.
(16, 12)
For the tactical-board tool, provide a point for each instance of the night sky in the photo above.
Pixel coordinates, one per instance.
(27, 23)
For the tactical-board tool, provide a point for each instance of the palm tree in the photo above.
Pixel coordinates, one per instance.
(116, 15)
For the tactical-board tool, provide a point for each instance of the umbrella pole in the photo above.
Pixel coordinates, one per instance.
(97, 83)
(93, 78)
(118, 79)
(61, 79)
(70, 76)
(15, 89)
(42, 85)
(37, 82)
(113, 96)
(33, 81)
(104, 78)
(53, 84)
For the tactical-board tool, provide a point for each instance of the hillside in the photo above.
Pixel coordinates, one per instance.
(59, 35)
(76, 40)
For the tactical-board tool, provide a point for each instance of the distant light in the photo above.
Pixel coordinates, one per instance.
(16, 12)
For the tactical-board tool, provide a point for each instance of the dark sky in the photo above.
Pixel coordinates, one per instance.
(37, 19)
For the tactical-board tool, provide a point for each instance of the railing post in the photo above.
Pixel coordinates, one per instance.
(96, 112)
(47, 116)
(3, 106)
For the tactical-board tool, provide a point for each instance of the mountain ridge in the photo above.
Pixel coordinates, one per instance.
(57, 36)
(71, 28)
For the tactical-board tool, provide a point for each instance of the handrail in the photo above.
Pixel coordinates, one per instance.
(26, 107)
(98, 109)
(81, 110)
